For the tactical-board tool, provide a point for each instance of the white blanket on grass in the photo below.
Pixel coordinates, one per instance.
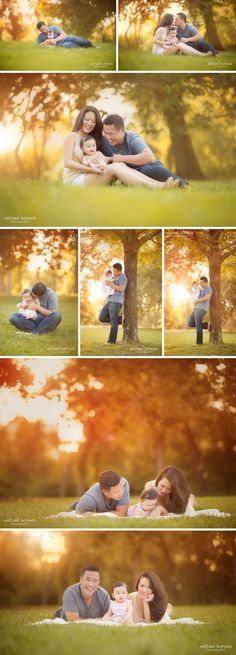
(110, 515)
(167, 620)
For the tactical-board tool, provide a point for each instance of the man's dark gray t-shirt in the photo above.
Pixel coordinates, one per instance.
(73, 601)
(49, 300)
(133, 144)
(188, 31)
(94, 501)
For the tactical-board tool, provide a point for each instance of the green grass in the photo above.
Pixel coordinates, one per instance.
(15, 55)
(19, 637)
(33, 513)
(182, 342)
(130, 59)
(64, 341)
(93, 342)
(36, 203)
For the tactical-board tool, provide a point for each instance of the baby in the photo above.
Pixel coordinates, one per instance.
(195, 292)
(107, 290)
(93, 157)
(171, 38)
(24, 306)
(120, 610)
(148, 501)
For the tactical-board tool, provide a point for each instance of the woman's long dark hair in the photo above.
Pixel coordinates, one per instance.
(166, 21)
(159, 603)
(97, 131)
(180, 490)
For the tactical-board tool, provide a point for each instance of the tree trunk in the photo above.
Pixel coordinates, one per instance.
(215, 282)
(131, 247)
(185, 159)
(211, 29)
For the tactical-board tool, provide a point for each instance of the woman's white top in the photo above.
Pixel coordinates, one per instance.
(70, 175)
(160, 34)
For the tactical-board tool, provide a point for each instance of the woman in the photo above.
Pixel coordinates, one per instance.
(165, 43)
(77, 174)
(173, 492)
(150, 600)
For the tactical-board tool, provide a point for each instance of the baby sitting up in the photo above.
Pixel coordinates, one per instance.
(120, 610)
(24, 306)
(171, 38)
(93, 157)
(148, 501)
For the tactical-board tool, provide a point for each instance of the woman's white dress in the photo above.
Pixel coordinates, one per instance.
(71, 176)
(161, 34)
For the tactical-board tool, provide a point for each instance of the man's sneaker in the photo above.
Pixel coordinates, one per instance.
(73, 506)
(205, 325)
(120, 319)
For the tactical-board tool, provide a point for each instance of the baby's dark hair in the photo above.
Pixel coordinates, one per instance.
(88, 137)
(149, 494)
(119, 584)
(26, 291)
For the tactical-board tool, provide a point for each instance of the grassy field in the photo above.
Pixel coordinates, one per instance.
(15, 55)
(182, 342)
(93, 341)
(36, 203)
(130, 59)
(17, 636)
(33, 513)
(64, 341)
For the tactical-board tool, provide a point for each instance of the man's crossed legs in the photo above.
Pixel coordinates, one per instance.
(40, 325)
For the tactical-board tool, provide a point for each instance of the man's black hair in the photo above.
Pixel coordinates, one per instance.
(114, 119)
(89, 567)
(204, 278)
(40, 23)
(182, 15)
(118, 266)
(39, 289)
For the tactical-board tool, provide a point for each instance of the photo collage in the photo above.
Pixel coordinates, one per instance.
(118, 327)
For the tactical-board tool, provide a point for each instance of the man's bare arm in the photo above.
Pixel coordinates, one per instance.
(72, 616)
(144, 157)
(191, 38)
(121, 510)
(203, 299)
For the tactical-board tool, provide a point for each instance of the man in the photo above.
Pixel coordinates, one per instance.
(110, 311)
(48, 317)
(189, 34)
(58, 37)
(131, 149)
(110, 494)
(85, 599)
(202, 304)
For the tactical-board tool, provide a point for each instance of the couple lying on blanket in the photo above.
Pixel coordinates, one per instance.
(168, 495)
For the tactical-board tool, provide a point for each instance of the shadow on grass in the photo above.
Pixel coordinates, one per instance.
(182, 342)
(93, 342)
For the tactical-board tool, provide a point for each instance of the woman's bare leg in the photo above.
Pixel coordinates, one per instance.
(131, 177)
(187, 50)
(93, 179)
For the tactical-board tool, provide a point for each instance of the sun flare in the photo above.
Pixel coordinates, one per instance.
(9, 137)
(179, 294)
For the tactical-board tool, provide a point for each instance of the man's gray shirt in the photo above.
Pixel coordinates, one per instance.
(94, 501)
(73, 601)
(49, 300)
(188, 31)
(119, 296)
(204, 292)
(133, 144)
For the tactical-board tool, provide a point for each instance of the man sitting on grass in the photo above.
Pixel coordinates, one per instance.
(47, 318)
(189, 34)
(85, 599)
(110, 494)
(54, 35)
(130, 148)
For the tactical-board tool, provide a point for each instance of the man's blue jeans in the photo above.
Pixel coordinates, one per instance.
(195, 320)
(75, 42)
(202, 46)
(158, 172)
(40, 325)
(110, 314)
